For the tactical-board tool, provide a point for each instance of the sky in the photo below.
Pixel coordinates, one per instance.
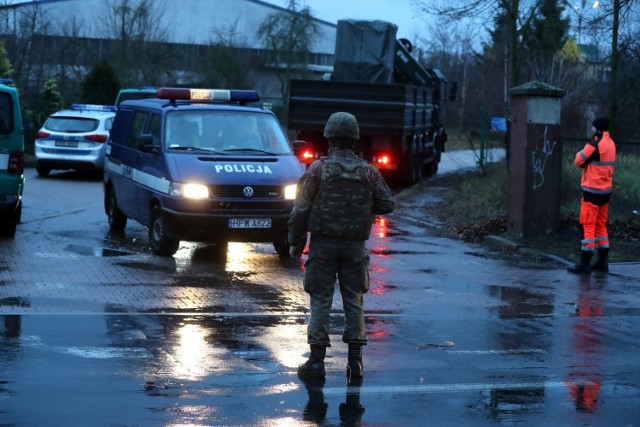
(399, 12)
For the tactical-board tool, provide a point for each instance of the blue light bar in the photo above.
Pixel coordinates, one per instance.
(244, 96)
(94, 107)
(223, 95)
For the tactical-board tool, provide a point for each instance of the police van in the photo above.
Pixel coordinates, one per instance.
(200, 165)
(11, 159)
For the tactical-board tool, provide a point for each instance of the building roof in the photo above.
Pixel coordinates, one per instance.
(186, 21)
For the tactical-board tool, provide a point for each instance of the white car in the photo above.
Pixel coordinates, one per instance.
(74, 138)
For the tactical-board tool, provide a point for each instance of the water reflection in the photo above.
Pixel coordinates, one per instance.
(380, 227)
(584, 380)
(316, 409)
(351, 410)
(196, 347)
(191, 357)
(506, 403)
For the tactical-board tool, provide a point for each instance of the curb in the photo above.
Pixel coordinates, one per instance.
(628, 270)
(500, 243)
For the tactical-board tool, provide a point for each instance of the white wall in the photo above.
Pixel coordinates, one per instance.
(187, 21)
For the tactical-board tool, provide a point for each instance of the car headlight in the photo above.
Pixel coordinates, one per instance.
(189, 190)
(290, 192)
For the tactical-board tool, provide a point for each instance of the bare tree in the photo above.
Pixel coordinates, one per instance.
(450, 49)
(617, 14)
(518, 16)
(135, 25)
(224, 65)
(289, 36)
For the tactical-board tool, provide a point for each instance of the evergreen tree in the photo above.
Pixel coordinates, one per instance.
(5, 65)
(51, 99)
(548, 34)
(101, 84)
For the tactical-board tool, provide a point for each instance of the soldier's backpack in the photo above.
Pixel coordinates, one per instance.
(344, 203)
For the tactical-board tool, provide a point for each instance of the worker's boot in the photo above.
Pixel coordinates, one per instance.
(354, 361)
(584, 266)
(601, 264)
(314, 367)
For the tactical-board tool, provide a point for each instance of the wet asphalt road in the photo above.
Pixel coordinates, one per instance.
(100, 332)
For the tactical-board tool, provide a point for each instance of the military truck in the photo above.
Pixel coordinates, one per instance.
(11, 159)
(398, 103)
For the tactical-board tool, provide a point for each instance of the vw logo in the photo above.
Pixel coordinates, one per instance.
(248, 191)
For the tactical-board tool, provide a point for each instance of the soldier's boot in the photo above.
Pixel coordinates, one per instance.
(602, 263)
(314, 366)
(584, 266)
(354, 361)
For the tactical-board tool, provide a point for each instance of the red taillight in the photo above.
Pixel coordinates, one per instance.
(16, 162)
(41, 134)
(97, 138)
(307, 156)
(383, 159)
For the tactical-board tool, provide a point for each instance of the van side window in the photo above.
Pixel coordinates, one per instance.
(138, 123)
(6, 114)
(155, 128)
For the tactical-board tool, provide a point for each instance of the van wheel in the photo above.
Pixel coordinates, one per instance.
(10, 223)
(8, 229)
(282, 247)
(42, 171)
(161, 244)
(117, 220)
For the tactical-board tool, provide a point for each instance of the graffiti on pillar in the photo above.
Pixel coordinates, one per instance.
(540, 160)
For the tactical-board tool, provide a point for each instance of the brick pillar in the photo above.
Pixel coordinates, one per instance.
(535, 162)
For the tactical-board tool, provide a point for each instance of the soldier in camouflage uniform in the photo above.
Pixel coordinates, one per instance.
(337, 199)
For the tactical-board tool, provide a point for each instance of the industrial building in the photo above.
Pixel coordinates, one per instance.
(65, 30)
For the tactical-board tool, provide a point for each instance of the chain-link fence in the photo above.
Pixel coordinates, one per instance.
(625, 200)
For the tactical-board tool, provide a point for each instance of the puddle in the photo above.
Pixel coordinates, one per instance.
(96, 251)
(380, 251)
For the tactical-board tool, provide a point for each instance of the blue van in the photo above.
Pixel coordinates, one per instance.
(200, 165)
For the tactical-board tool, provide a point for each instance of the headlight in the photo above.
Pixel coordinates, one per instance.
(290, 192)
(189, 190)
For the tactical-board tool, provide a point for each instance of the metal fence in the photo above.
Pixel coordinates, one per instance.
(625, 200)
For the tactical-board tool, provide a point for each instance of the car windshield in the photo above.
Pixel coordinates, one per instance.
(225, 132)
(71, 124)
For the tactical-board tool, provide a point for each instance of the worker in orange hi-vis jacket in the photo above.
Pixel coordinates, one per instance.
(597, 160)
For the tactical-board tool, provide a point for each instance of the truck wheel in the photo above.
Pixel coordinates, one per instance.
(436, 161)
(408, 175)
(428, 168)
(161, 244)
(117, 220)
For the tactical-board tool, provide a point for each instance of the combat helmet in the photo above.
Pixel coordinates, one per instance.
(342, 125)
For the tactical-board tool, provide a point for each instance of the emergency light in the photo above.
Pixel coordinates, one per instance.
(224, 95)
(94, 107)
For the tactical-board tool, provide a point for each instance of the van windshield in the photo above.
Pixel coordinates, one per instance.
(225, 132)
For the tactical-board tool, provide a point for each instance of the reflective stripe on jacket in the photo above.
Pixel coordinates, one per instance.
(597, 162)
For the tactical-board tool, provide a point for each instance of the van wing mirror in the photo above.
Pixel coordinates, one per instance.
(147, 144)
(299, 146)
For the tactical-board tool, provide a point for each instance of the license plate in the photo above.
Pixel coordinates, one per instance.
(250, 223)
(60, 143)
